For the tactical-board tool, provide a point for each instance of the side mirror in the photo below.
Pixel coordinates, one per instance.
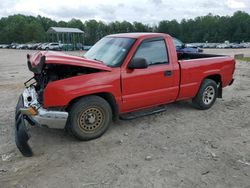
(183, 46)
(138, 63)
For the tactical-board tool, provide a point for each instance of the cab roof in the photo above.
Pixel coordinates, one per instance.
(139, 35)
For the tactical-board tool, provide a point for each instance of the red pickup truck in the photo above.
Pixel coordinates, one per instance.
(120, 74)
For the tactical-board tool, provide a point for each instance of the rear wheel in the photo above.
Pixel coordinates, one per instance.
(89, 117)
(206, 95)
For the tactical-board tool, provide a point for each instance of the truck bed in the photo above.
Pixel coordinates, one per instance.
(199, 66)
(187, 56)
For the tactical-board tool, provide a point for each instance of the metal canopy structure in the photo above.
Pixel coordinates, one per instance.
(71, 38)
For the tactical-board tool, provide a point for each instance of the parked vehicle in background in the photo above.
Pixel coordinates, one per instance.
(66, 47)
(86, 47)
(223, 45)
(120, 74)
(22, 46)
(29, 45)
(246, 44)
(183, 48)
(39, 47)
(196, 45)
(210, 45)
(13, 45)
(42, 46)
(5, 46)
(19, 46)
(34, 46)
(53, 46)
(199, 48)
(237, 45)
(79, 46)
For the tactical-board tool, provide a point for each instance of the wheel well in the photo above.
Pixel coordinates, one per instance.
(111, 100)
(107, 96)
(217, 79)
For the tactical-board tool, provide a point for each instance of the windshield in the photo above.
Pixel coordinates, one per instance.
(111, 51)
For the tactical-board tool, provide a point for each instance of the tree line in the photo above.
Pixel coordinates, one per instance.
(212, 28)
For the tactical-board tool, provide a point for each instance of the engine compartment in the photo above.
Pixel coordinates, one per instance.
(54, 72)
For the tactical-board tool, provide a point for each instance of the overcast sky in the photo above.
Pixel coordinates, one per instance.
(146, 11)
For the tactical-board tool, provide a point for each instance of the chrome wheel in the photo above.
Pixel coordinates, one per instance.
(91, 119)
(208, 95)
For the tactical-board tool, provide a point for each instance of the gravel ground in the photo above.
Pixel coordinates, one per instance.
(181, 147)
(245, 51)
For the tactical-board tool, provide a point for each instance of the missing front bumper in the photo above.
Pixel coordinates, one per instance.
(21, 131)
(42, 118)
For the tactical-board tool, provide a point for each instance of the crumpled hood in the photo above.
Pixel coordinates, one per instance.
(50, 57)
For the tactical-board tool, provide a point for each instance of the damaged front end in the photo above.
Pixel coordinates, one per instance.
(29, 112)
(47, 67)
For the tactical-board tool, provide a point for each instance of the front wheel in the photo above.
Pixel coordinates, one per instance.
(89, 117)
(206, 95)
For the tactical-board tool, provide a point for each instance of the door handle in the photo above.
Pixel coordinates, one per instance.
(168, 73)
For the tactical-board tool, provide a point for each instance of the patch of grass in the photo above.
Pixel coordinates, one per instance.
(244, 59)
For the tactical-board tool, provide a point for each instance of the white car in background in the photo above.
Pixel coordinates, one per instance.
(51, 46)
(223, 45)
(54, 46)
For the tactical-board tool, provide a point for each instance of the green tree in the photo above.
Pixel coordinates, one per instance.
(20, 28)
(91, 32)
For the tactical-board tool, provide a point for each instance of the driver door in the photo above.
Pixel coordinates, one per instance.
(153, 85)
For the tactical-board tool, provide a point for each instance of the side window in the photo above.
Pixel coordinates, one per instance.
(154, 52)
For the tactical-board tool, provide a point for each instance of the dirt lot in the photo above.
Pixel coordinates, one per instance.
(181, 147)
(245, 51)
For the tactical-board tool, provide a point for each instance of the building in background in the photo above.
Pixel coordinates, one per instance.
(69, 38)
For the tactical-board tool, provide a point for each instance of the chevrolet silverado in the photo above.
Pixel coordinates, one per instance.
(120, 74)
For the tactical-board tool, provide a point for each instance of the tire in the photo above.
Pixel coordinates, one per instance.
(89, 118)
(206, 95)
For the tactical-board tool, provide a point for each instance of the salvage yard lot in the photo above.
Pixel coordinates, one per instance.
(181, 147)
